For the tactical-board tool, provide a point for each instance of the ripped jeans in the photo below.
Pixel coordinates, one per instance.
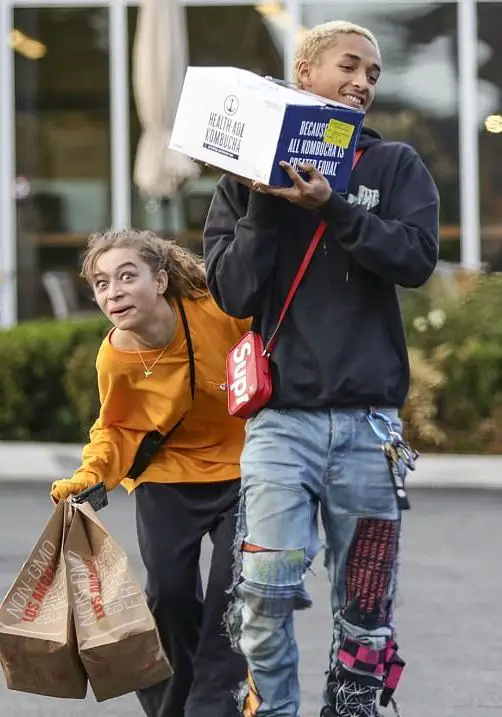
(293, 462)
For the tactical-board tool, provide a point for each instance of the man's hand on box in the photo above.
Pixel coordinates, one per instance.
(63, 489)
(309, 194)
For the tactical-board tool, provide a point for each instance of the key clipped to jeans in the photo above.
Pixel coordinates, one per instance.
(401, 457)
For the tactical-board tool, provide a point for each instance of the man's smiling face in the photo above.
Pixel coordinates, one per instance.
(347, 72)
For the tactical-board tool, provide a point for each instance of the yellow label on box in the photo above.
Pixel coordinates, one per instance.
(339, 133)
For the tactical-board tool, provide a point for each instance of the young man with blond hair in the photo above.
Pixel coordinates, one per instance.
(330, 437)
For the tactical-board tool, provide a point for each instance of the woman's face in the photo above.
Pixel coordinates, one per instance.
(125, 288)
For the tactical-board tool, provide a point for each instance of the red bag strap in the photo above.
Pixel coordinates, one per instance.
(303, 268)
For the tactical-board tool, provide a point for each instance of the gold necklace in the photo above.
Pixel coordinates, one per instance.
(148, 369)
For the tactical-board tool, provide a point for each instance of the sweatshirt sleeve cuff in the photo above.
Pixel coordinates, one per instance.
(339, 215)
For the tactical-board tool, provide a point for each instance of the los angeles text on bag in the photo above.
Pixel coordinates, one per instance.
(38, 646)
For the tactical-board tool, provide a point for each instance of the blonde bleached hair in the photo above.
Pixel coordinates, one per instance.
(185, 270)
(322, 37)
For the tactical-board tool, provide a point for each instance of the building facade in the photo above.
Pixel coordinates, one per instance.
(69, 128)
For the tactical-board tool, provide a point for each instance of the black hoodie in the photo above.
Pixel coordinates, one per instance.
(342, 343)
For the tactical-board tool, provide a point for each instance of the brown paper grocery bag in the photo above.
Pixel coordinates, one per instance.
(38, 649)
(117, 636)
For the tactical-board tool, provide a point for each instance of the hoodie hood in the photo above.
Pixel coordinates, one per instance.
(368, 137)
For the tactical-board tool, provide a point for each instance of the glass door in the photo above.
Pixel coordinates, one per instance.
(62, 150)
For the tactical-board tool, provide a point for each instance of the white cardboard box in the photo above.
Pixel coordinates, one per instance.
(246, 124)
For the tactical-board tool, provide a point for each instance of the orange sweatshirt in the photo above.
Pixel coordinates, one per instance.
(207, 445)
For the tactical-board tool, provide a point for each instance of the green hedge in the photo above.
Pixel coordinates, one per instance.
(48, 379)
(455, 328)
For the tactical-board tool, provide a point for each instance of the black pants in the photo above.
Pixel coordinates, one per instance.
(171, 522)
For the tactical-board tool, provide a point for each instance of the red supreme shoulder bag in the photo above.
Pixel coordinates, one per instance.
(249, 380)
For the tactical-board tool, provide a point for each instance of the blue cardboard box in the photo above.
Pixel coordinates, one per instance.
(323, 136)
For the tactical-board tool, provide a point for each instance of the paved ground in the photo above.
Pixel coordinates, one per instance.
(449, 613)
